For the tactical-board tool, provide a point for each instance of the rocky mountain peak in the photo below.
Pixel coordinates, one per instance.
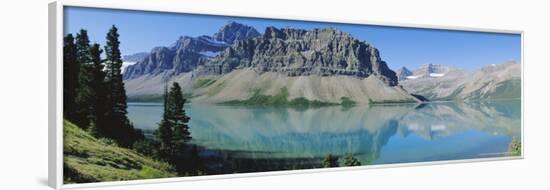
(490, 81)
(271, 32)
(186, 53)
(509, 67)
(199, 44)
(403, 73)
(431, 70)
(321, 34)
(233, 31)
(297, 52)
(134, 57)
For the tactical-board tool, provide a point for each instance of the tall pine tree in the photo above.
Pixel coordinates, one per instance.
(98, 90)
(91, 93)
(82, 47)
(176, 115)
(117, 124)
(70, 77)
(173, 131)
(164, 132)
(83, 106)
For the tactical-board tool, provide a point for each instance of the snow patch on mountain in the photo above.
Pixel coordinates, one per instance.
(413, 77)
(437, 74)
(424, 71)
(209, 53)
(126, 64)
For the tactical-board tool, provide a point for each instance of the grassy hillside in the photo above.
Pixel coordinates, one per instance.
(281, 99)
(87, 159)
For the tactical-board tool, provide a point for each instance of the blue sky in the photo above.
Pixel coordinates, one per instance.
(140, 31)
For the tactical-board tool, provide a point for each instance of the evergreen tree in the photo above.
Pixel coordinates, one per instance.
(349, 160)
(82, 47)
(165, 135)
(117, 124)
(90, 96)
(83, 92)
(70, 77)
(97, 86)
(84, 96)
(176, 115)
(164, 132)
(173, 131)
(330, 161)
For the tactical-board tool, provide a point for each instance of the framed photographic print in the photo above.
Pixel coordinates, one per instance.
(145, 96)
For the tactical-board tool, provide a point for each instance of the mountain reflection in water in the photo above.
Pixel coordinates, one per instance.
(248, 139)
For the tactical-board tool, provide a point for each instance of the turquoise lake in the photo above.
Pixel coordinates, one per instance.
(288, 137)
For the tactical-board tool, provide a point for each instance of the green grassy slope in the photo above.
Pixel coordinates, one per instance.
(281, 99)
(87, 159)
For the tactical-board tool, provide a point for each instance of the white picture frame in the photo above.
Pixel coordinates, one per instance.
(55, 99)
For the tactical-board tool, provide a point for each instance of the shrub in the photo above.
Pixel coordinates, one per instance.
(514, 149)
(330, 161)
(349, 160)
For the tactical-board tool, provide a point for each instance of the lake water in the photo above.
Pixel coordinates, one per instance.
(289, 138)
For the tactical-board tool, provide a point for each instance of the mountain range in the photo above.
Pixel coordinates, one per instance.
(441, 82)
(239, 63)
(187, 53)
(425, 71)
(374, 126)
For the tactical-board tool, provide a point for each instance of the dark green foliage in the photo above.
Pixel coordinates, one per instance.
(176, 116)
(262, 100)
(330, 161)
(195, 161)
(83, 92)
(259, 99)
(173, 131)
(165, 135)
(91, 92)
(82, 47)
(349, 160)
(146, 147)
(347, 102)
(70, 77)
(100, 107)
(84, 97)
(136, 134)
(100, 98)
(112, 51)
(301, 101)
(280, 99)
(371, 102)
(117, 125)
